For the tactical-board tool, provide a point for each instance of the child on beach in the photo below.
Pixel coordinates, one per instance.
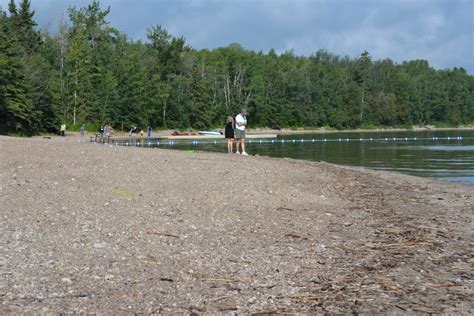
(229, 134)
(100, 132)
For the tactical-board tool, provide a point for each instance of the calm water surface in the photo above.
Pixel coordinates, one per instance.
(427, 154)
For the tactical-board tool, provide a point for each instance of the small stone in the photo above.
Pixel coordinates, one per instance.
(67, 280)
(109, 277)
(100, 245)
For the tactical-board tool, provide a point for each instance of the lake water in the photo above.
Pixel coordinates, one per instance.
(447, 155)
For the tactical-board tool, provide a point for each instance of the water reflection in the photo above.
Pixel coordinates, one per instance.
(446, 147)
(446, 155)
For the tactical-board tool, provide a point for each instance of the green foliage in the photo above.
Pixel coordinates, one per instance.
(369, 127)
(445, 124)
(16, 108)
(90, 73)
(403, 126)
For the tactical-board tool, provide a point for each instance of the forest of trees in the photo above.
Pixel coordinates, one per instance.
(91, 73)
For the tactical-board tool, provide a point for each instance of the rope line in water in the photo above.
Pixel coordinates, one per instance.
(283, 141)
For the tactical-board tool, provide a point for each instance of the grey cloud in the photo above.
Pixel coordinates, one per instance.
(440, 31)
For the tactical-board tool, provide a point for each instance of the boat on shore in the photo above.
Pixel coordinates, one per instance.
(210, 133)
(176, 133)
(216, 136)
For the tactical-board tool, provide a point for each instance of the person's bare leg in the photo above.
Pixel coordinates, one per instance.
(243, 147)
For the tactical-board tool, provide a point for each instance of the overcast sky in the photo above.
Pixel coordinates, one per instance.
(440, 31)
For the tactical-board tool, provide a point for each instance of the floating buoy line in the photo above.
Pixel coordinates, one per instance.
(155, 143)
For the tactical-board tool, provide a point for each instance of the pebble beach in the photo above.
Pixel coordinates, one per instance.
(93, 228)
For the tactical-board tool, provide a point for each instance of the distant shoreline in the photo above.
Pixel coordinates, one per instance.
(284, 131)
(326, 131)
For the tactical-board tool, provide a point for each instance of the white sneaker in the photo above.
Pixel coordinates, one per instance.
(237, 153)
(244, 153)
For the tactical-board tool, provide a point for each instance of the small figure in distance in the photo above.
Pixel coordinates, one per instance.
(100, 131)
(240, 125)
(107, 130)
(63, 129)
(133, 130)
(82, 130)
(149, 131)
(229, 134)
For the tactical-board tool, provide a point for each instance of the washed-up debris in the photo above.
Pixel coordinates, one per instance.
(163, 234)
(124, 193)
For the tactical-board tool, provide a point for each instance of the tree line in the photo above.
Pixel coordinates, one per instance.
(90, 73)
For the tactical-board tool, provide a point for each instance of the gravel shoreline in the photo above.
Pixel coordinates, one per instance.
(95, 228)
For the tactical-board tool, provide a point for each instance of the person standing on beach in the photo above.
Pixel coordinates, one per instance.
(149, 131)
(107, 130)
(82, 129)
(240, 125)
(63, 129)
(229, 134)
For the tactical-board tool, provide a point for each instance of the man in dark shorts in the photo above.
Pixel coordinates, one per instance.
(240, 125)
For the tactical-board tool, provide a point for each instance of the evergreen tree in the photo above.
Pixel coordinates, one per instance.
(16, 110)
(362, 76)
